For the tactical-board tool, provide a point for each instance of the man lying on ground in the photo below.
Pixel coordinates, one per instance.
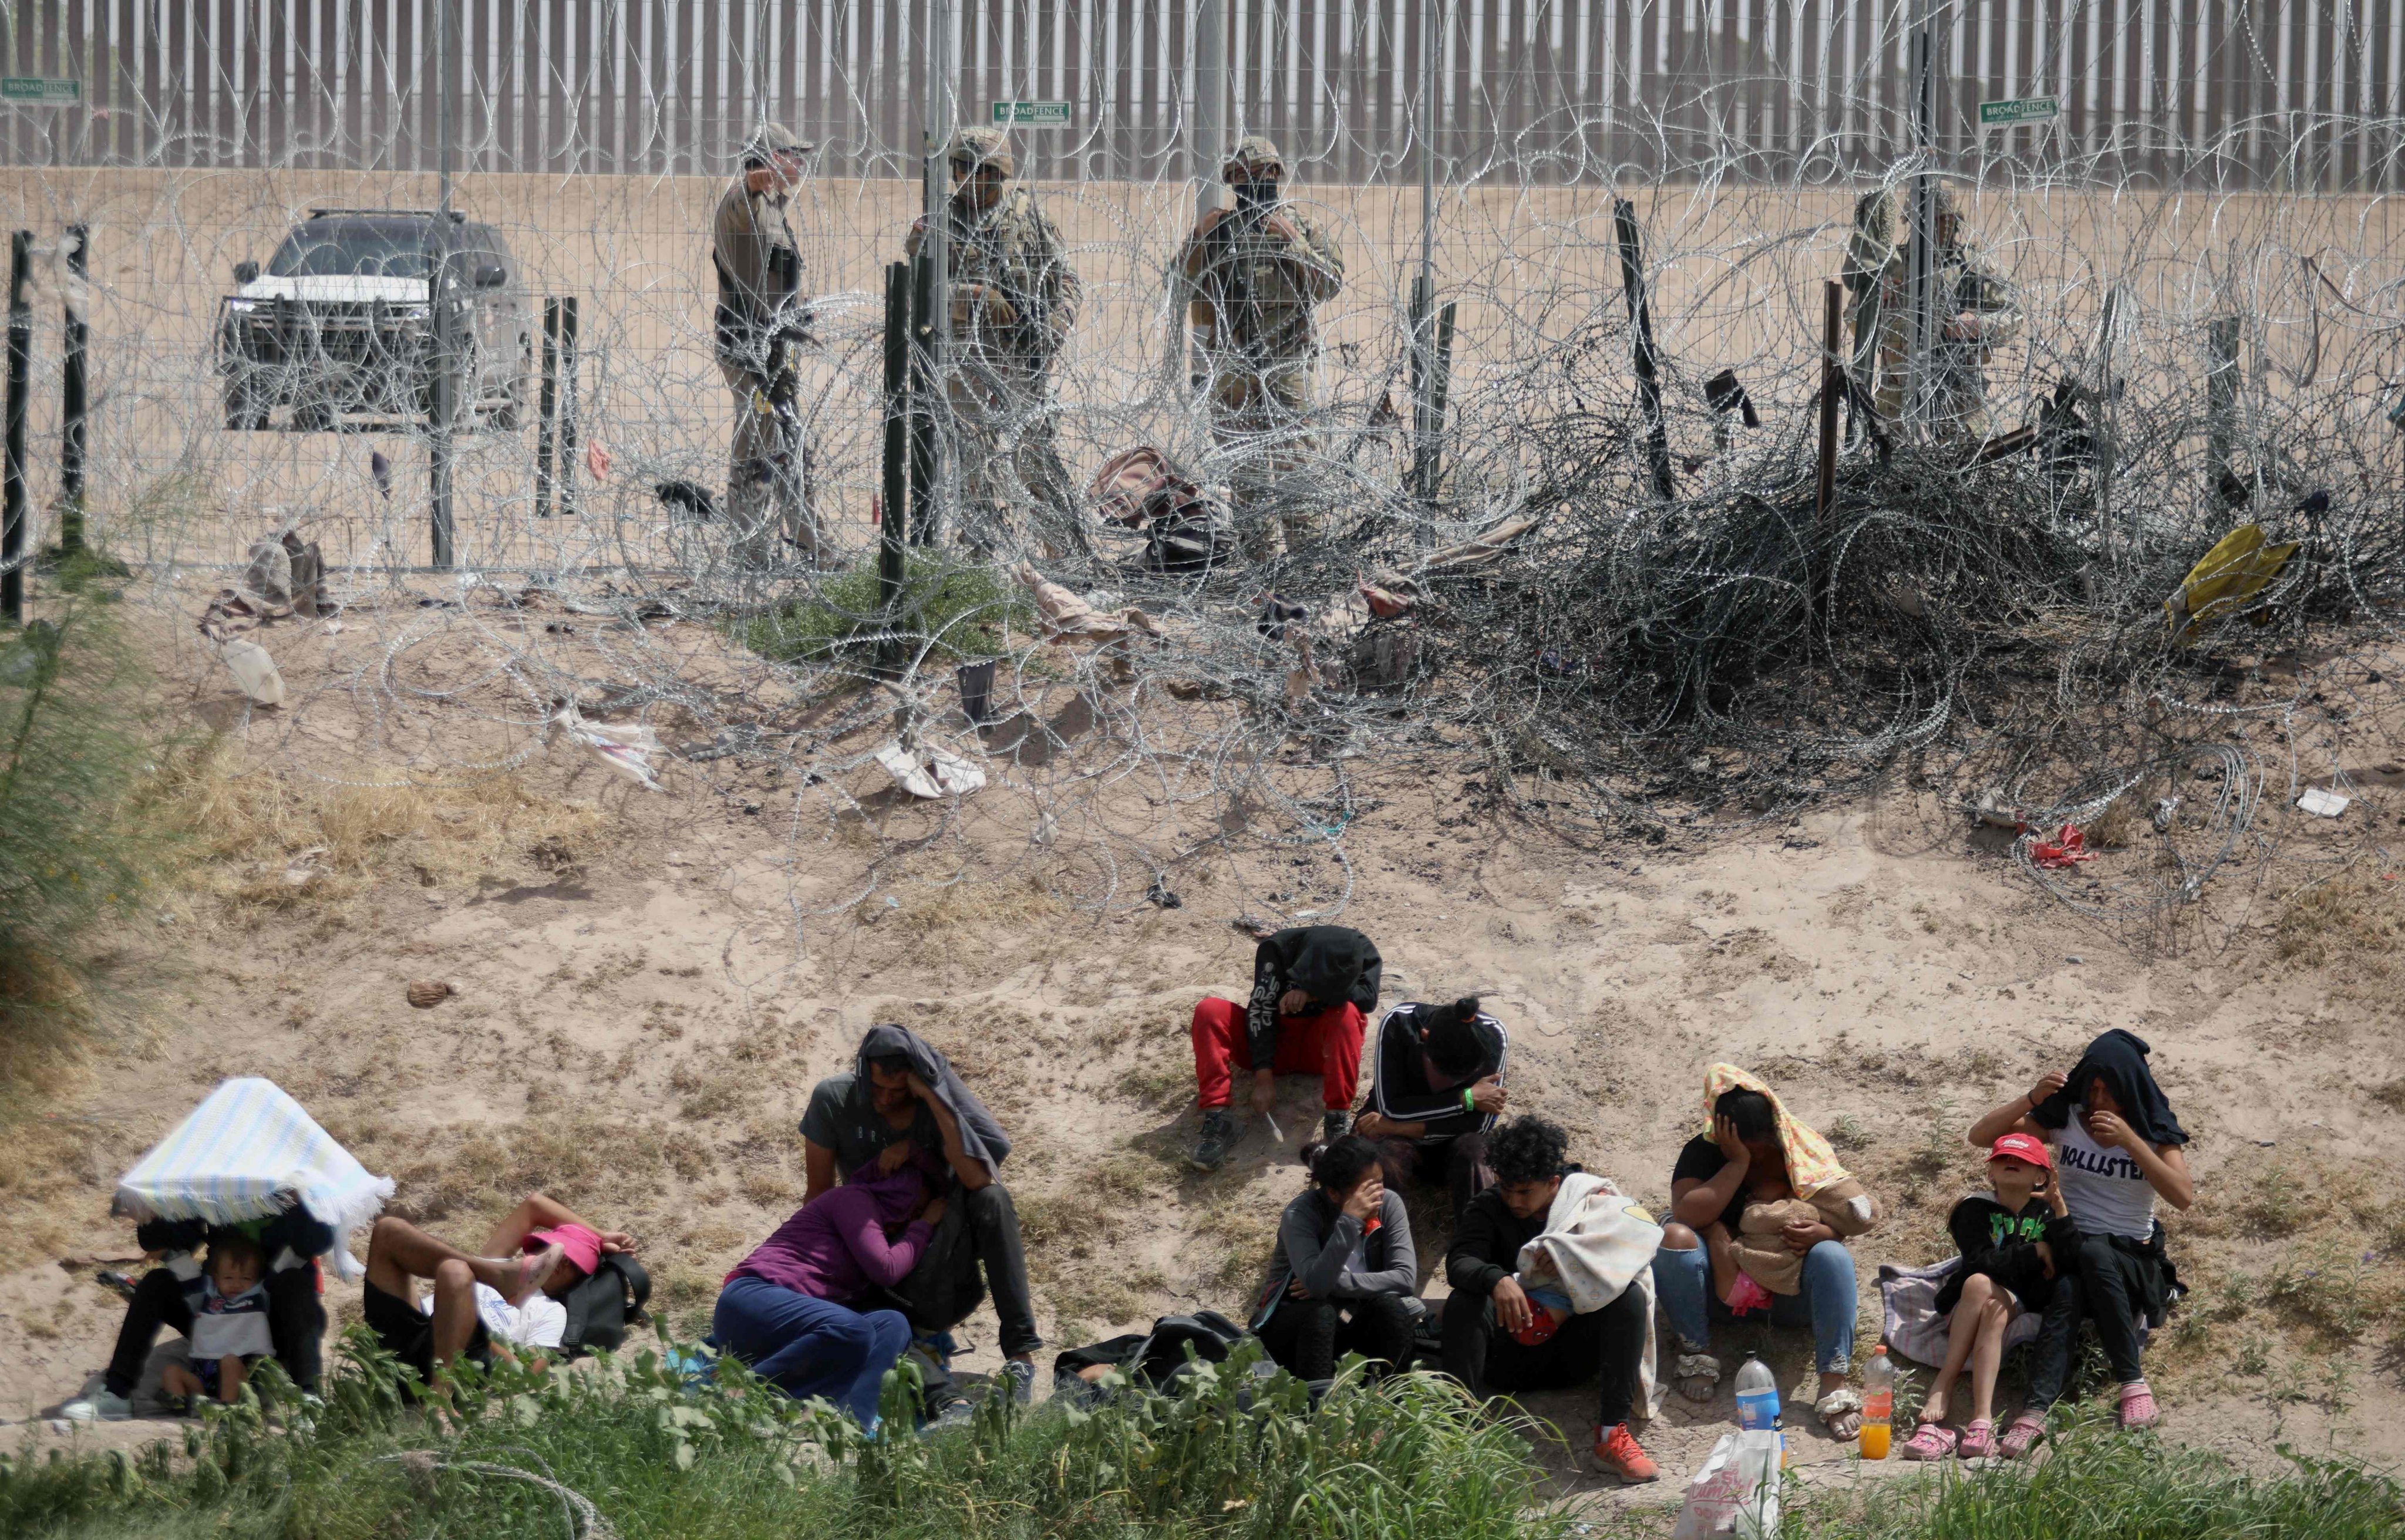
(1436, 1090)
(511, 1291)
(1496, 1337)
(902, 1090)
(1313, 989)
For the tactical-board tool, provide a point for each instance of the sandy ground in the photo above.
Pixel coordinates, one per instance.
(649, 984)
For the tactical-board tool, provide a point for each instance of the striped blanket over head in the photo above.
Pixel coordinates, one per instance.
(243, 1154)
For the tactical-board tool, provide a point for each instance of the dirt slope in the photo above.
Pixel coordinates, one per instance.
(647, 991)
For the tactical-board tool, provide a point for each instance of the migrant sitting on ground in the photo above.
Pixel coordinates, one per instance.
(1500, 1336)
(1312, 990)
(800, 1308)
(900, 1090)
(1436, 1091)
(171, 1294)
(2116, 1149)
(1344, 1276)
(230, 1331)
(2008, 1244)
(510, 1293)
(1755, 1152)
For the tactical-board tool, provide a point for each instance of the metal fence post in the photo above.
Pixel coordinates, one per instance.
(12, 464)
(891, 555)
(75, 403)
(1640, 332)
(546, 428)
(567, 468)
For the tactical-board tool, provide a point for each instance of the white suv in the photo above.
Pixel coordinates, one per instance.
(342, 323)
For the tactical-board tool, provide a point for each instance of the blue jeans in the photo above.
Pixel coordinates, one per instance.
(1682, 1282)
(809, 1347)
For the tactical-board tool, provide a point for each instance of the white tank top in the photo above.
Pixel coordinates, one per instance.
(2106, 1191)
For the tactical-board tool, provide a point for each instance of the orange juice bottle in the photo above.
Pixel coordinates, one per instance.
(1878, 1405)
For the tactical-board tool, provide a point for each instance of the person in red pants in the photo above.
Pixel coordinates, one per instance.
(1313, 989)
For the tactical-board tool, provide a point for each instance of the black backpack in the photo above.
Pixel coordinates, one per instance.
(1156, 1359)
(600, 1308)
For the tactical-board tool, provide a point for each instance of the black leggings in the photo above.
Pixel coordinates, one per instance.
(2091, 1285)
(1306, 1337)
(1607, 1345)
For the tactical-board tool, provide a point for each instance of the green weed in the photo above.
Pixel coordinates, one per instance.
(956, 610)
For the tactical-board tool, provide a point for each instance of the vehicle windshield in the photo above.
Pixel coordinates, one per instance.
(350, 251)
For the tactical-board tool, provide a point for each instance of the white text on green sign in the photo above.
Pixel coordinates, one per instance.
(35, 88)
(2024, 109)
(1031, 114)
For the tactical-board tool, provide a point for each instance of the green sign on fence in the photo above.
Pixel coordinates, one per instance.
(35, 88)
(2022, 109)
(1031, 113)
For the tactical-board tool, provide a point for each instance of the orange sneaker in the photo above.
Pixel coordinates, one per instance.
(1618, 1453)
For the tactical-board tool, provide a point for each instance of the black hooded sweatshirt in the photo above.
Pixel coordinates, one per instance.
(2119, 1059)
(1329, 962)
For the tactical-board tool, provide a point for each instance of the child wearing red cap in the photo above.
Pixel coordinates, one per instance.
(2009, 1243)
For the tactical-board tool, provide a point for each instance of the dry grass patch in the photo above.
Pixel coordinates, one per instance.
(981, 907)
(266, 838)
(2353, 924)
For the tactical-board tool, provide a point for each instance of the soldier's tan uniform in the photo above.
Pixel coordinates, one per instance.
(1968, 300)
(1014, 298)
(759, 269)
(1257, 275)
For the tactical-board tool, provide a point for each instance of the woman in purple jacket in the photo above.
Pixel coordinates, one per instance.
(789, 1310)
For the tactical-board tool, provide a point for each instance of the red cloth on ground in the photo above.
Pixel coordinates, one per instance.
(1327, 1044)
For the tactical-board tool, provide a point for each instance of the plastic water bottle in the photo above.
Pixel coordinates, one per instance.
(1878, 1405)
(1757, 1401)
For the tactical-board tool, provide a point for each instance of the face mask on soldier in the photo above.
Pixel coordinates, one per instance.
(1259, 193)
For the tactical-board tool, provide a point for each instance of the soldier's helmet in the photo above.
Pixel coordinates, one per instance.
(973, 149)
(1255, 157)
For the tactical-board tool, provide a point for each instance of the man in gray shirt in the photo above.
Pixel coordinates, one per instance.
(759, 318)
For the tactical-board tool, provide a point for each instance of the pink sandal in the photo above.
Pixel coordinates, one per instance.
(1978, 1440)
(1929, 1441)
(2138, 1408)
(2026, 1430)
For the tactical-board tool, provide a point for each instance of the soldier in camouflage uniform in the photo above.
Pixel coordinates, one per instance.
(1976, 315)
(1256, 273)
(1013, 298)
(760, 317)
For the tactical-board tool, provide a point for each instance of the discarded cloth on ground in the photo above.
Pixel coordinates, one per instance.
(1908, 1304)
(626, 747)
(247, 1153)
(1066, 615)
(930, 771)
(2239, 566)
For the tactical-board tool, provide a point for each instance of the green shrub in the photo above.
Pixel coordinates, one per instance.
(71, 756)
(1235, 1458)
(2102, 1485)
(965, 610)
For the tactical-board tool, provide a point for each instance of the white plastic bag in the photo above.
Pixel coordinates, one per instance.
(254, 671)
(1737, 1491)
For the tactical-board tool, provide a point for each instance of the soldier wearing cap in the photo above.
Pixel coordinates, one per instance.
(1013, 298)
(761, 317)
(1976, 314)
(1256, 274)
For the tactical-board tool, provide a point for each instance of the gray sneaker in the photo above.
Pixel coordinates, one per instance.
(1334, 1125)
(1018, 1377)
(101, 1406)
(1219, 1138)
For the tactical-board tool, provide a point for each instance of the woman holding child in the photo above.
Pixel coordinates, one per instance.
(2114, 1150)
(1344, 1276)
(1761, 1212)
